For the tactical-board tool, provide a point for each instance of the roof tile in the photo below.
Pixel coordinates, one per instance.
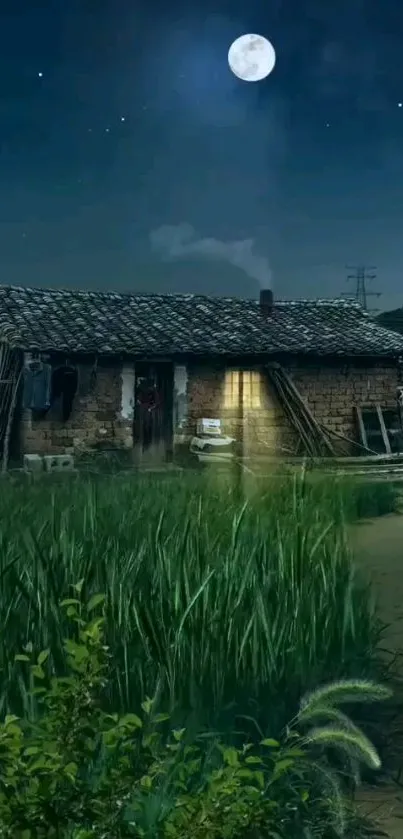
(131, 324)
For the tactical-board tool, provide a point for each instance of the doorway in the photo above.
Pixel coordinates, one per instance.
(153, 410)
(10, 406)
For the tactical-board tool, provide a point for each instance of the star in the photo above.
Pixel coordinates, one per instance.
(122, 119)
(107, 130)
(328, 125)
(40, 75)
(400, 104)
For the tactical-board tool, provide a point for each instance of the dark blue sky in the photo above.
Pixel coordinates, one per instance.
(137, 124)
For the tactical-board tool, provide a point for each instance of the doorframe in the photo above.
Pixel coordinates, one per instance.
(156, 368)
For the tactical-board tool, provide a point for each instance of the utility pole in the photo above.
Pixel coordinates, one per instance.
(361, 274)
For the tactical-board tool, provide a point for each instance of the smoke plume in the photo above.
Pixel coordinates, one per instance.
(181, 241)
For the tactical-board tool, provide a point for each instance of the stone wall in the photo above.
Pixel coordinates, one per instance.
(260, 426)
(102, 415)
(103, 407)
(330, 391)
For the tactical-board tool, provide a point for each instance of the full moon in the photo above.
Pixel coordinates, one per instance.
(251, 58)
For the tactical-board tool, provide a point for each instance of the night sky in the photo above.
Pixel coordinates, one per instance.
(132, 159)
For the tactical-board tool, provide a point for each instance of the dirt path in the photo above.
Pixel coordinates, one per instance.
(378, 550)
(384, 808)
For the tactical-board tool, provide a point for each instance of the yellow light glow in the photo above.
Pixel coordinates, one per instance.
(242, 388)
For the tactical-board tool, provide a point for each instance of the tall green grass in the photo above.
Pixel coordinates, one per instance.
(224, 601)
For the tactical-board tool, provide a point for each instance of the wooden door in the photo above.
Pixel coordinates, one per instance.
(153, 413)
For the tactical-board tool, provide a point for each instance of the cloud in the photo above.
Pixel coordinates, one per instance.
(181, 241)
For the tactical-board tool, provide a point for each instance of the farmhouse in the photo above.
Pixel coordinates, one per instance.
(90, 370)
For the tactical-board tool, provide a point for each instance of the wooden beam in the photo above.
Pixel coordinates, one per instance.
(361, 426)
(384, 432)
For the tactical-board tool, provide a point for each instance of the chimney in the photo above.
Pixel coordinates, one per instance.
(266, 301)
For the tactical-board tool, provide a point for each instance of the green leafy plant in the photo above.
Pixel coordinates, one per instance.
(73, 771)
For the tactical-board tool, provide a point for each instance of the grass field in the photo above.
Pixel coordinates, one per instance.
(219, 600)
(226, 600)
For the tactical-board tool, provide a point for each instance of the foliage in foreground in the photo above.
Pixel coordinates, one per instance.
(73, 771)
(215, 603)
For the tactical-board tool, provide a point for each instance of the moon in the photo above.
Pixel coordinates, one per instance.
(251, 58)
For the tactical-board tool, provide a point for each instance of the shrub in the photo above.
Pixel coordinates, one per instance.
(73, 771)
(368, 499)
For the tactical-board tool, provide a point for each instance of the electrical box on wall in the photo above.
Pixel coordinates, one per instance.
(209, 427)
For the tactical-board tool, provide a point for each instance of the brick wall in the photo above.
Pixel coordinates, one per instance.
(263, 427)
(104, 412)
(329, 390)
(97, 417)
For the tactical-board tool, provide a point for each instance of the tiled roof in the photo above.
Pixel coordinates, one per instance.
(156, 324)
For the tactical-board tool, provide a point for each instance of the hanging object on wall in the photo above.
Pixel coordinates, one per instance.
(147, 395)
(64, 388)
(37, 378)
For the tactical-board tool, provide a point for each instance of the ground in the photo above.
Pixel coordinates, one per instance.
(378, 548)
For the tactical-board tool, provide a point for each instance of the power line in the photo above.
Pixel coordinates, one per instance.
(362, 275)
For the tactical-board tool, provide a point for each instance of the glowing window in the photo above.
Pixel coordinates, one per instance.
(245, 385)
